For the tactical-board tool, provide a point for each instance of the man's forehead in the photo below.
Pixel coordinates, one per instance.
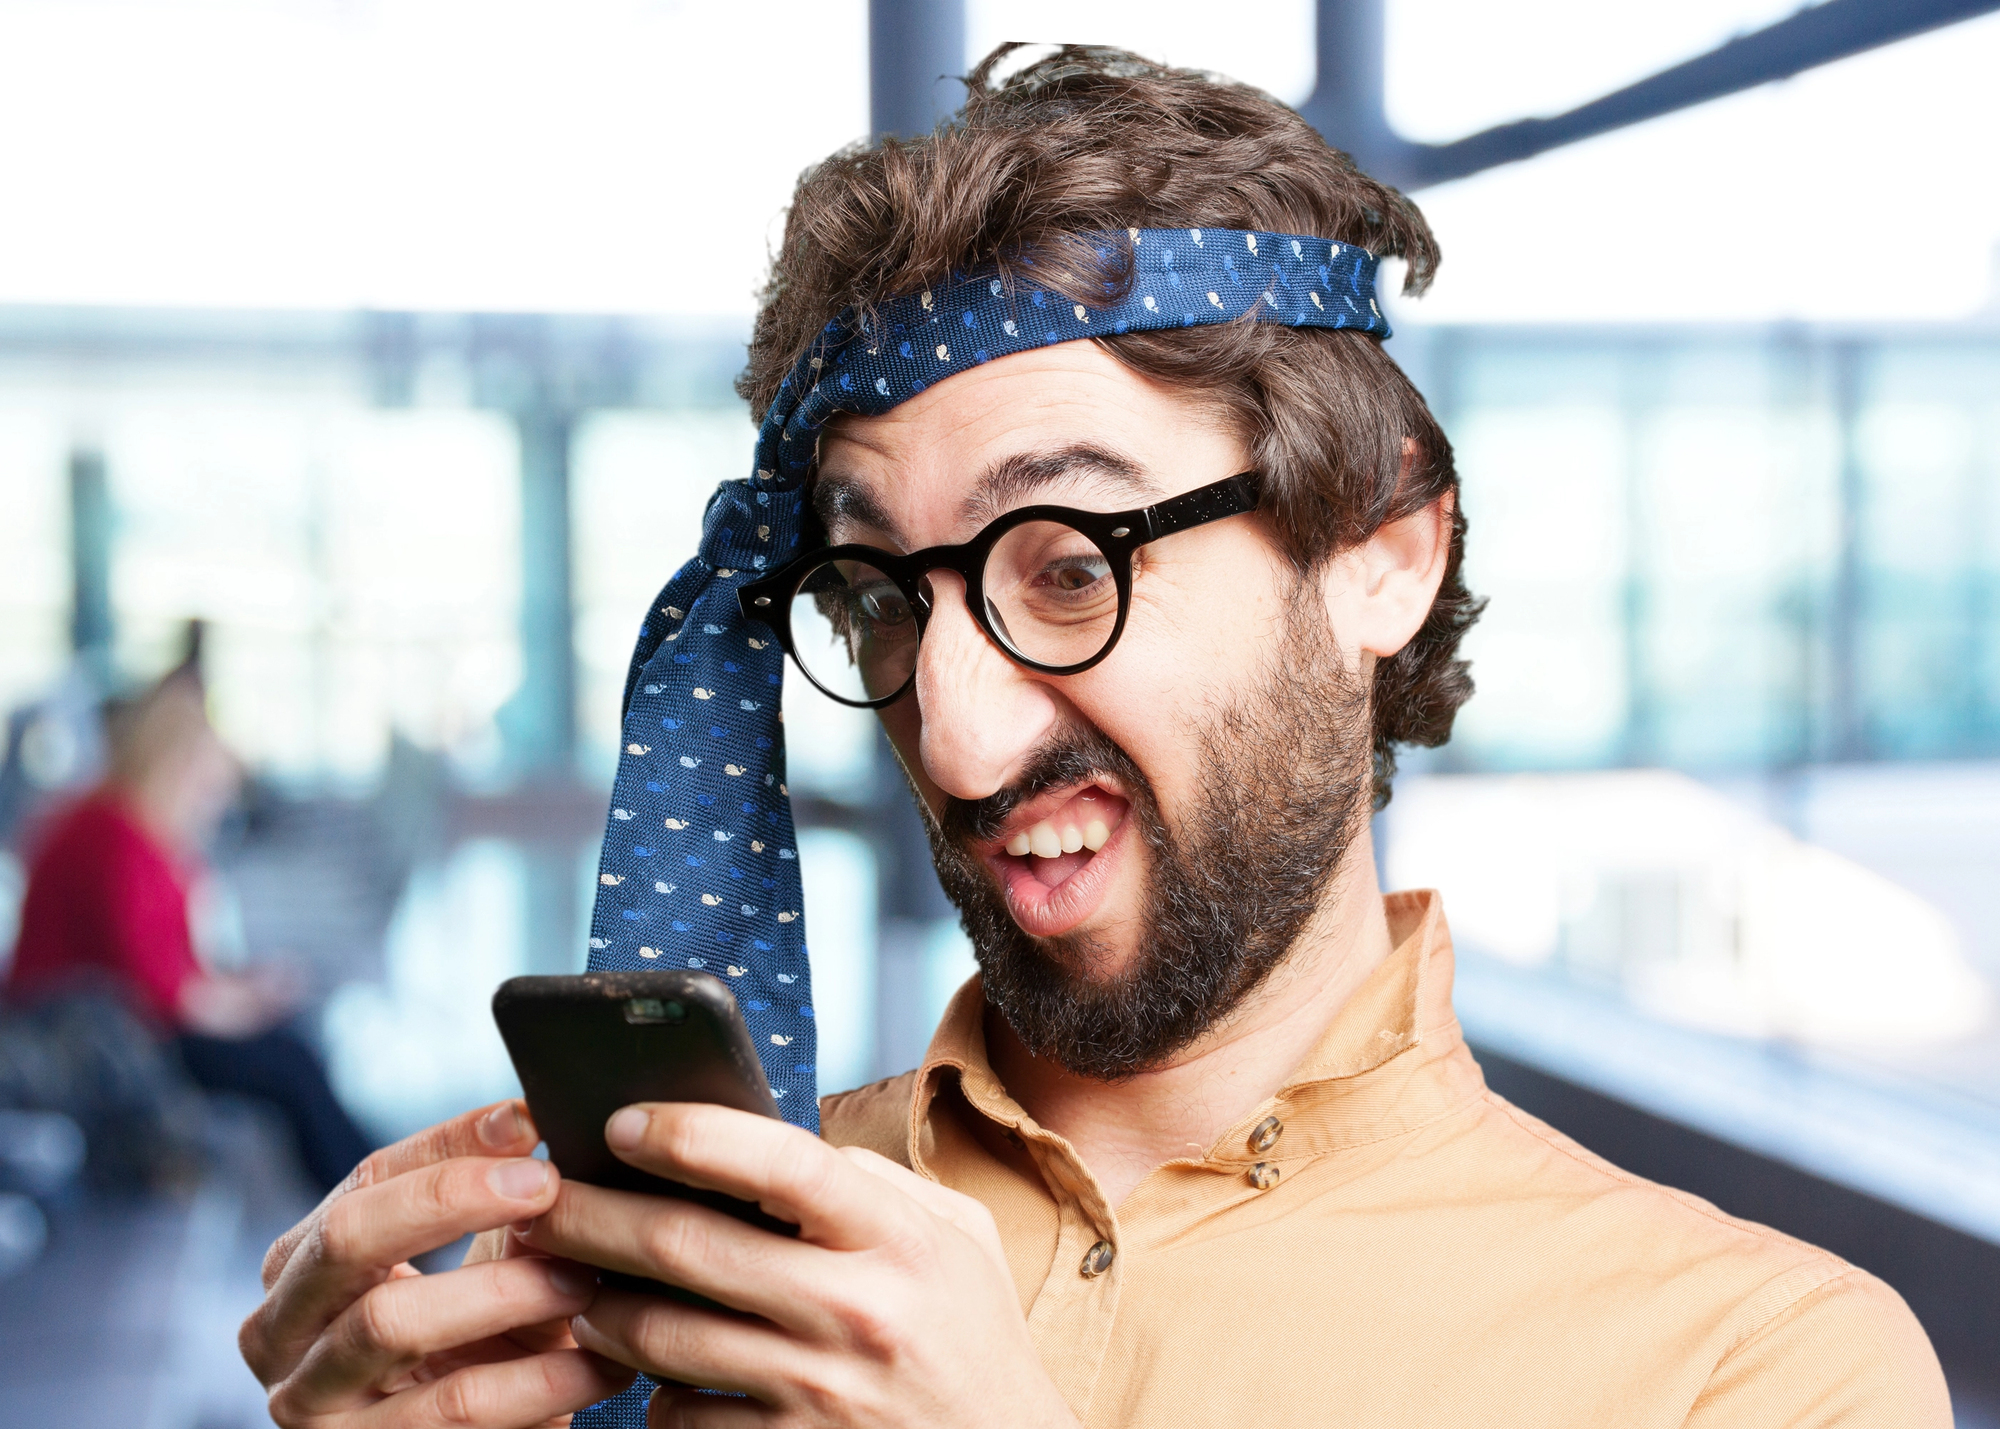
(1021, 428)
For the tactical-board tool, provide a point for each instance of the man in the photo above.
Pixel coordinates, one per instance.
(1202, 1143)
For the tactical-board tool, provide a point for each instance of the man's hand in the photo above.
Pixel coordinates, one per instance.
(893, 1307)
(350, 1333)
(234, 1005)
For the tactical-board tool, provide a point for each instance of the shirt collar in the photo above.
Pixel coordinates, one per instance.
(1391, 1060)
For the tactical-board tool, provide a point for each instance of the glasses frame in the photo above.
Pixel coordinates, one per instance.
(1116, 533)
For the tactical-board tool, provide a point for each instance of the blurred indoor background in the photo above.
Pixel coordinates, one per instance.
(393, 339)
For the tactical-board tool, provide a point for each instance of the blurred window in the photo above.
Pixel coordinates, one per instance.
(414, 1048)
(360, 570)
(34, 550)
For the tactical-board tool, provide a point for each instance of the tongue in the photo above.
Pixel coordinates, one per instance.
(1058, 870)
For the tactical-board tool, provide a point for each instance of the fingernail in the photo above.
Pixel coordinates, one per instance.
(572, 1279)
(625, 1128)
(519, 1180)
(503, 1126)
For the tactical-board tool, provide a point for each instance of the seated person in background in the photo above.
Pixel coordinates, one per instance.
(107, 906)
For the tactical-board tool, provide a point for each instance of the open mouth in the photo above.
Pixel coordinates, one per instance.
(1057, 854)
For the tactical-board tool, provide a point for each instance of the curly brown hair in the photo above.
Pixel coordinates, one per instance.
(1090, 140)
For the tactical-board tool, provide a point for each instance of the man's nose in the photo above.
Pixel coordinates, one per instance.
(982, 713)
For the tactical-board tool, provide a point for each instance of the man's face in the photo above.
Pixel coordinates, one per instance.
(1184, 801)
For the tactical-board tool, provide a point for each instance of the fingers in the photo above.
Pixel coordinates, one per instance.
(400, 1323)
(692, 1246)
(670, 1340)
(356, 1239)
(676, 1408)
(512, 1394)
(791, 1173)
(503, 1129)
(953, 1207)
(488, 1245)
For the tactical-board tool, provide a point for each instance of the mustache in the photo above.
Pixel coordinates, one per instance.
(1074, 756)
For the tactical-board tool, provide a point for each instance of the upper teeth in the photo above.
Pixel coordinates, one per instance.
(1045, 840)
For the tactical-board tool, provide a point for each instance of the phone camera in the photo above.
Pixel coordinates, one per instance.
(654, 1009)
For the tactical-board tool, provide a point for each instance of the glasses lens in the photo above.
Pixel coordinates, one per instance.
(1050, 594)
(853, 631)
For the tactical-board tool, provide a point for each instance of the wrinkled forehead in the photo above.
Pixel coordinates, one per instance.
(1067, 424)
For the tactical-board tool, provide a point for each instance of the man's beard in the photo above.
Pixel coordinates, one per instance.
(1230, 887)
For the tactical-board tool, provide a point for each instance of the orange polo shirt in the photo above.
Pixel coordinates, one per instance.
(1385, 1242)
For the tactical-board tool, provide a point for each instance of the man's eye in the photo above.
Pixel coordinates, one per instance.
(885, 607)
(1077, 573)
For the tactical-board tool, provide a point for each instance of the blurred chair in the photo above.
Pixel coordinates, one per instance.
(84, 1059)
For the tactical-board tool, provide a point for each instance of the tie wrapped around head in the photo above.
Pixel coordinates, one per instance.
(700, 862)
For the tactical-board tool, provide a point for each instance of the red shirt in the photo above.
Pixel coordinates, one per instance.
(105, 900)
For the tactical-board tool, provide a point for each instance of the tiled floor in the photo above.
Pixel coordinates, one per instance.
(128, 1320)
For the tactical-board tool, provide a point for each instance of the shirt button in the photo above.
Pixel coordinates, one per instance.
(1264, 1175)
(1097, 1259)
(1265, 1134)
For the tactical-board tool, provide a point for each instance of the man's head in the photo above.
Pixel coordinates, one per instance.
(168, 760)
(1270, 662)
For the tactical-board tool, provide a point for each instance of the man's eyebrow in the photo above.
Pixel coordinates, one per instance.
(840, 500)
(1007, 482)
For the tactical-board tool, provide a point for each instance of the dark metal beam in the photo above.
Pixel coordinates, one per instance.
(916, 52)
(90, 535)
(1347, 105)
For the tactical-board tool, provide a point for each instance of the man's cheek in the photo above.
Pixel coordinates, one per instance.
(903, 723)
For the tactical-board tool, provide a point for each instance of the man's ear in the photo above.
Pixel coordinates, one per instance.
(1379, 592)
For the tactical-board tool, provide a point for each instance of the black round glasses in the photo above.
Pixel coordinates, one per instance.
(1049, 585)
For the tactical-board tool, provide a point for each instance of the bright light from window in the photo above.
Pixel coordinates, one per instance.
(1456, 66)
(600, 155)
(1792, 201)
(1275, 53)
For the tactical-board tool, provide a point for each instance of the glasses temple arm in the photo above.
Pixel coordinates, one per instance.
(1230, 497)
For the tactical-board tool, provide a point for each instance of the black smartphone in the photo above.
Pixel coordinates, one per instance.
(585, 1046)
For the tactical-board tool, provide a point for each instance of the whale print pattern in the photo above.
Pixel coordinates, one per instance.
(700, 866)
(1179, 277)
